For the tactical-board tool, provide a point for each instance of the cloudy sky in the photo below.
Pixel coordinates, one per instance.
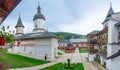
(75, 16)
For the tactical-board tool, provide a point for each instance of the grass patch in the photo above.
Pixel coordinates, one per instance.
(60, 53)
(59, 66)
(18, 61)
(83, 51)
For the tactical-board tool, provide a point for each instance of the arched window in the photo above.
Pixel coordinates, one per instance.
(35, 25)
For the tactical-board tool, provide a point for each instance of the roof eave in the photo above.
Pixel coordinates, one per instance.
(17, 2)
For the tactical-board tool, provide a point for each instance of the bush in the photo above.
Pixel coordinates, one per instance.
(59, 53)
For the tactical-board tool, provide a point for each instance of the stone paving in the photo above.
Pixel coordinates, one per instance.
(89, 66)
(75, 58)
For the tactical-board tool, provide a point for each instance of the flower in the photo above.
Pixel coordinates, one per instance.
(2, 41)
(0, 65)
(8, 67)
(6, 37)
(18, 43)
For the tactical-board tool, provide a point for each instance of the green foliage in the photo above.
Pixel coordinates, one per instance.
(68, 60)
(83, 51)
(66, 35)
(118, 36)
(59, 53)
(60, 66)
(18, 61)
(61, 37)
(9, 38)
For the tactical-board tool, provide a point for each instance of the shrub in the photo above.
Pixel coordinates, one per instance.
(59, 53)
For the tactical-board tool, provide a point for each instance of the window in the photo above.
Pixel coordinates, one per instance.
(35, 25)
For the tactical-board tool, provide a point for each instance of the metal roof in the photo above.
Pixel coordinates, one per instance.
(39, 14)
(63, 41)
(78, 40)
(94, 32)
(110, 12)
(19, 23)
(45, 34)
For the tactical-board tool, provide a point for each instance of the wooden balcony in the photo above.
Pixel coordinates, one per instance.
(92, 41)
(105, 40)
(104, 52)
(92, 50)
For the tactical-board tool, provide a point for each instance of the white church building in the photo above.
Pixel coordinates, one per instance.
(113, 55)
(40, 43)
(110, 33)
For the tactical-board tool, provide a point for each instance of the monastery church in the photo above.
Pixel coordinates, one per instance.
(40, 43)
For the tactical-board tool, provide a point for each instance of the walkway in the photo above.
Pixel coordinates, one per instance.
(75, 57)
(37, 67)
(89, 66)
(98, 66)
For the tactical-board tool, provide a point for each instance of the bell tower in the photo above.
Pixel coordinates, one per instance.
(19, 27)
(39, 20)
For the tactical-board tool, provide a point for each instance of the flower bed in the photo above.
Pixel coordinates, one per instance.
(5, 36)
(2, 41)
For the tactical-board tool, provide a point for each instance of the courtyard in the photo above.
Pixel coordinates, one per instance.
(59, 35)
(75, 58)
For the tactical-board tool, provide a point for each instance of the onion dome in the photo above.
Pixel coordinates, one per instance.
(39, 14)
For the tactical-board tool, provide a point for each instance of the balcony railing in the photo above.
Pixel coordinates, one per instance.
(92, 41)
(92, 50)
(104, 52)
(105, 40)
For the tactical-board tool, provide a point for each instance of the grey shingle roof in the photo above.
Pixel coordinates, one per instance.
(110, 12)
(36, 35)
(94, 32)
(64, 41)
(19, 23)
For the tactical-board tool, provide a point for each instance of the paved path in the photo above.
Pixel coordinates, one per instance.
(98, 66)
(37, 67)
(89, 66)
(75, 57)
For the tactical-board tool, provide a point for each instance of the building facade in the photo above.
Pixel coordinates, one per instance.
(40, 43)
(104, 44)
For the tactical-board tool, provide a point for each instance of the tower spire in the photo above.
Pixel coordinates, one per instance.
(39, 9)
(19, 23)
(110, 10)
(110, 4)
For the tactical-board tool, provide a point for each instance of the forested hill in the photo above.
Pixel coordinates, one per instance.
(66, 35)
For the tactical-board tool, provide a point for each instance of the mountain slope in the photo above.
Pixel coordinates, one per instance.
(66, 35)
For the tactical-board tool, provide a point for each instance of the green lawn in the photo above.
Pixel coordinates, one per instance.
(83, 51)
(59, 66)
(18, 61)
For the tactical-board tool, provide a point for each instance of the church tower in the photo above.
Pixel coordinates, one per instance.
(39, 20)
(110, 12)
(19, 27)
